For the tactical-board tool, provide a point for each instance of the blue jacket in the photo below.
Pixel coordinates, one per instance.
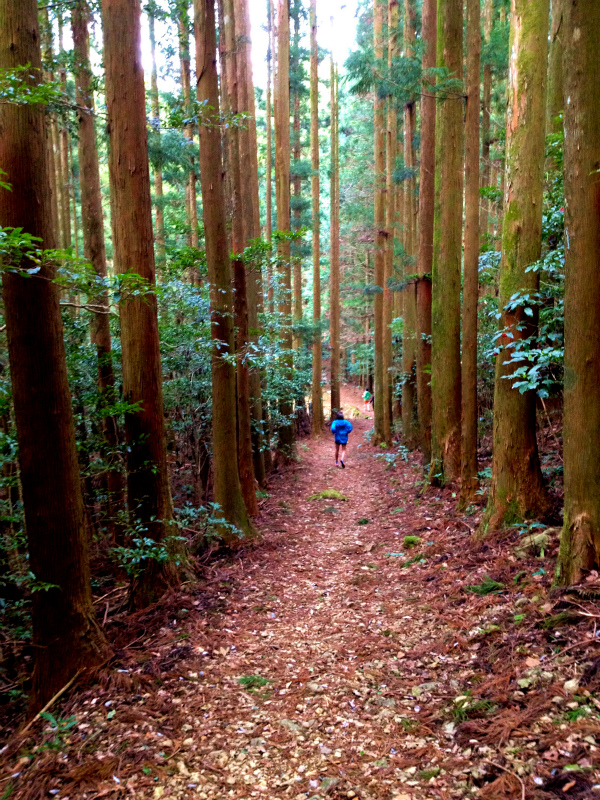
(341, 428)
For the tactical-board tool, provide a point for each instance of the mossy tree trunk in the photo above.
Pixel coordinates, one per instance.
(580, 543)
(317, 393)
(426, 213)
(468, 466)
(517, 490)
(66, 635)
(447, 252)
(379, 231)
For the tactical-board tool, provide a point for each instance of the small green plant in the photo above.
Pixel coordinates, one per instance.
(487, 586)
(408, 725)
(468, 709)
(262, 495)
(60, 727)
(253, 681)
(428, 774)
(411, 541)
(328, 494)
(363, 521)
(419, 557)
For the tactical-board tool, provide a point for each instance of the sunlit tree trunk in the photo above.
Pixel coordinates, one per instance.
(391, 149)
(447, 247)
(251, 211)
(468, 468)
(66, 635)
(426, 213)
(227, 490)
(317, 394)
(282, 190)
(188, 130)
(409, 300)
(161, 255)
(48, 57)
(517, 491)
(580, 542)
(149, 496)
(379, 233)
(334, 251)
(65, 183)
(94, 249)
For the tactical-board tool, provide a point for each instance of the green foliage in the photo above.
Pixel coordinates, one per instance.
(60, 727)
(328, 494)
(24, 85)
(253, 681)
(411, 541)
(487, 586)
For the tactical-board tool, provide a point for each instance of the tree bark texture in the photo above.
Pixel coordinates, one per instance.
(282, 191)
(66, 635)
(188, 129)
(334, 252)
(379, 232)
(486, 102)
(425, 241)
(580, 542)
(517, 491)
(468, 467)
(227, 490)
(149, 496)
(94, 249)
(555, 103)
(161, 253)
(317, 367)
(447, 252)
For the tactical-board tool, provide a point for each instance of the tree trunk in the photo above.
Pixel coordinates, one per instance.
(517, 491)
(555, 104)
(46, 33)
(390, 226)
(334, 257)
(149, 496)
(251, 211)
(227, 490)
(379, 233)
(94, 251)
(66, 635)
(468, 467)
(447, 252)
(409, 300)
(188, 130)
(486, 102)
(317, 393)
(269, 167)
(161, 254)
(63, 163)
(580, 543)
(282, 190)
(297, 184)
(426, 209)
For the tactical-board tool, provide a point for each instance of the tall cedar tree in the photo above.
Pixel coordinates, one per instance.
(517, 490)
(94, 249)
(46, 34)
(282, 191)
(188, 128)
(379, 232)
(317, 393)
(149, 496)
(232, 92)
(468, 469)
(161, 255)
(391, 148)
(334, 251)
(447, 253)
(486, 102)
(63, 159)
(297, 182)
(555, 103)
(66, 635)
(426, 215)
(410, 298)
(580, 543)
(227, 490)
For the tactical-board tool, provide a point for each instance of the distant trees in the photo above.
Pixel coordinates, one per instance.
(316, 391)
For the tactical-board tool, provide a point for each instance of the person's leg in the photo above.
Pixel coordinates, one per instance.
(337, 451)
(343, 454)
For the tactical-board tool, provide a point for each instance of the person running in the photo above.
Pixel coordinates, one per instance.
(340, 428)
(366, 398)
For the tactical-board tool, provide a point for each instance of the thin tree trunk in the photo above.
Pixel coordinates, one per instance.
(188, 130)
(390, 226)
(227, 490)
(282, 187)
(379, 233)
(486, 102)
(580, 542)
(95, 253)
(555, 102)
(66, 635)
(447, 252)
(269, 168)
(517, 491)
(297, 184)
(251, 211)
(468, 468)
(74, 199)
(409, 300)
(161, 254)
(317, 393)
(334, 257)
(48, 57)
(149, 496)
(65, 194)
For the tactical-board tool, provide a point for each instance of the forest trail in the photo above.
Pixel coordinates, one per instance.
(313, 665)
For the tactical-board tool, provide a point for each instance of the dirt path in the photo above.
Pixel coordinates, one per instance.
(315, 666)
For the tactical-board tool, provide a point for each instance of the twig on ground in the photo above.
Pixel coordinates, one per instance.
(51, 702)
(504, 769)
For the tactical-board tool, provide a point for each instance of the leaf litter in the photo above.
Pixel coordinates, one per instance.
(322, 663)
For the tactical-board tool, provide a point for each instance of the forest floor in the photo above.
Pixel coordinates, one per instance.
(338, 658)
